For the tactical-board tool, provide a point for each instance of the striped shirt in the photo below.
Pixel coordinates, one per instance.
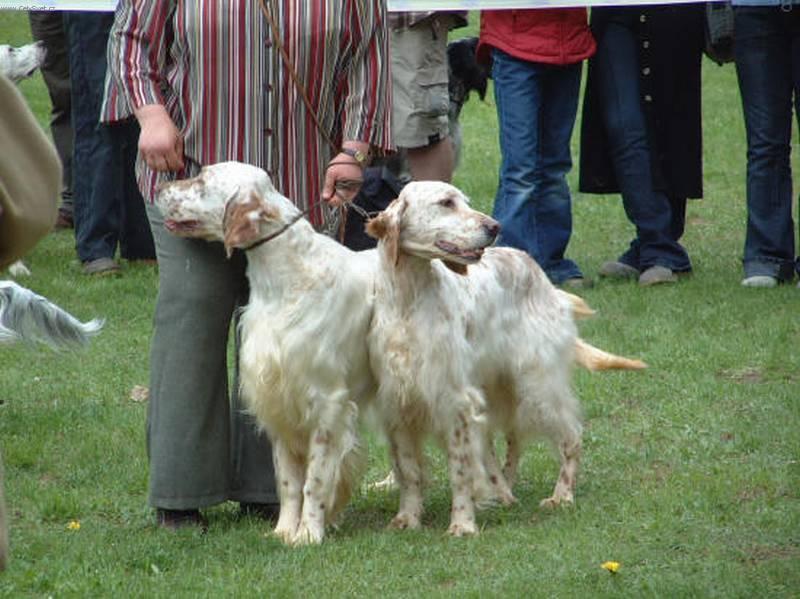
(215, 66)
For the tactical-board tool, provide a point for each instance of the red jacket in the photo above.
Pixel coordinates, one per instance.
(549, 35)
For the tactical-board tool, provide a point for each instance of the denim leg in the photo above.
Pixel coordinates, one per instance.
(96, 185)
(553, 200)
(767, 61)
(136, 239)
(658, 219)
(533, 202)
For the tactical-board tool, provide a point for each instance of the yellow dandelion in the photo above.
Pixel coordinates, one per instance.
(612, 567)
(74, 525)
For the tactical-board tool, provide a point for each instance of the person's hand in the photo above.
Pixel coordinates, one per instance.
(160, 142)
(343, 179)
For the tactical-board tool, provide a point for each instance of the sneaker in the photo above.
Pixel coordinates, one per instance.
(618, 270)
(577, 283)
(760, 281)
(100, 266)
(657, 275)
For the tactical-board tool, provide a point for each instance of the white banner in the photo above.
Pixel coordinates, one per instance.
(399, 5)
(394, 5)
(101, 5)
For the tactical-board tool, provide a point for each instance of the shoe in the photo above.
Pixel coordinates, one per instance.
(264, 511)
(760, 281)
(100, 266)
(63, 220)
(176, 519)
(618, 270)
(577, 283)
(657, 275)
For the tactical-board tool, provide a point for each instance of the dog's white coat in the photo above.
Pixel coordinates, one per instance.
(497, 343)
(303, 364)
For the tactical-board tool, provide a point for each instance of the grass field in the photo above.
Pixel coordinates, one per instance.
(691, 470)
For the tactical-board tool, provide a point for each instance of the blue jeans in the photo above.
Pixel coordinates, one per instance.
(536, 108)
(108, 207)
(658, 218)
(767, 54)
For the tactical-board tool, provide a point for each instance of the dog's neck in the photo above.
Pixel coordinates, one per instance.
(407, 278)
(283, 259)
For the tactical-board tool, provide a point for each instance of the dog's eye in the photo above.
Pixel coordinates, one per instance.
(447, 203)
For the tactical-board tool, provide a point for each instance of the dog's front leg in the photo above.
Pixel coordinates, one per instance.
(462, 464)
(406, 453)
(513, 452)
(290, 470)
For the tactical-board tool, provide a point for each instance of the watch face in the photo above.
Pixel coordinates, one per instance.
(357, 154)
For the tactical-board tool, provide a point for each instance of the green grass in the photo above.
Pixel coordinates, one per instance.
(691, 470)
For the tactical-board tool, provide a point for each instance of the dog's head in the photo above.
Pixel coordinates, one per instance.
(432, 220)
(230, 202)
(466, 74)
(20, 63)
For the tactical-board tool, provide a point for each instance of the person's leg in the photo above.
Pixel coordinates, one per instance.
(794, 32)
(421, 100)
(553, 201)
(97, 197)
(518, 88)
(136, 239)
(47, 26)
(616, 66)
(763, 53)
(190, 444)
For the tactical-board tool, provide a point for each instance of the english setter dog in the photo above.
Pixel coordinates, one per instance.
(304, 369)
(465, 340)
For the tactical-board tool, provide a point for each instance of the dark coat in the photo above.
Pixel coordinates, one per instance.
(671, 40)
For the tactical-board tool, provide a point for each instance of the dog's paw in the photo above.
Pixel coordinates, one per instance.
(462, 529)
(557, 501)
(507, 499)
(284, 533)
(387, 484)
(307, 535)
(403, 521)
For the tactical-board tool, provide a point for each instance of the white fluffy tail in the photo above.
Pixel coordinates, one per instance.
(26, 316)
(593, 358)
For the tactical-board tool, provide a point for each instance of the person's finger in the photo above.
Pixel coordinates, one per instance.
(328, 188)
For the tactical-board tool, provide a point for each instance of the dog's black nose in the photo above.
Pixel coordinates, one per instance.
(492, 227)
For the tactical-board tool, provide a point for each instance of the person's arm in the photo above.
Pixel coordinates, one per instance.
(366, 111)
(138, 46)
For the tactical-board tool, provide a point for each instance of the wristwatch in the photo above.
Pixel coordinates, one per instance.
(359, 156)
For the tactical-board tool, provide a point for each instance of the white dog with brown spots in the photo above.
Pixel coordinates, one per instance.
(303, 368)
(466, 340)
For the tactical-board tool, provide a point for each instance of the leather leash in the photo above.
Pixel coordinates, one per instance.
(347, 183)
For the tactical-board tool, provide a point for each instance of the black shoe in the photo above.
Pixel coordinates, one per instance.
(175, 519)
(265, 511)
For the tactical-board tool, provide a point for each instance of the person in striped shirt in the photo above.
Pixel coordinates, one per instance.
(207, 82)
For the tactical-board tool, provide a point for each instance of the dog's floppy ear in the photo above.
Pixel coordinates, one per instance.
(386, 228)
(241, 223)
